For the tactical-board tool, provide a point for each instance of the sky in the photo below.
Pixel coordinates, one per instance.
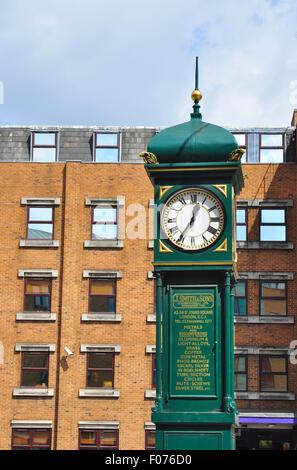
(132, 63)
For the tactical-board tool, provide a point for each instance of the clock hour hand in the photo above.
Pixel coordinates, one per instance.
(194, 213)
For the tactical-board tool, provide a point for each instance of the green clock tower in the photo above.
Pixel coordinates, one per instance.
(196, 172)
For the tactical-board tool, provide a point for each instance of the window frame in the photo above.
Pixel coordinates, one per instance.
(273, 224)
(245, 146)
(147, 446)
(49, 280)
(245, 282)
(269, 147)
(285, 297)
(242, 224)
(154, 371)
(98, 446)
(100, 353)
(245, 357)
(96, 146)
(33, 145)
(34, 368)
(265, 356)
(102, 206)
(49, 222)
(31, 444)
(114, 281)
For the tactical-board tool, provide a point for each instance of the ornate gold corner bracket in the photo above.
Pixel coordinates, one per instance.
(222, 188)
(163, 190)
(222, 248)
(164, 248)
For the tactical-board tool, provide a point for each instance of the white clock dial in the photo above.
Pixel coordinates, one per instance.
(192, 218)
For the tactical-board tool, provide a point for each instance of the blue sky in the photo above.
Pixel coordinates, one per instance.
(129, 63)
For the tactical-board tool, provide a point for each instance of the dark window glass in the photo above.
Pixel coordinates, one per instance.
(102, 296)
(31, 439)
(273, 299)
(100, 372)
(98, 439)
(37, 295)
(34, 370)
(240, 300)
(150, 440)
(240, 369)
(274, 376)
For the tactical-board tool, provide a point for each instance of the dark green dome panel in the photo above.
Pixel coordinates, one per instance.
(192, 141)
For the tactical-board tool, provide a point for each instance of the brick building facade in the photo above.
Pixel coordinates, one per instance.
(76, 271)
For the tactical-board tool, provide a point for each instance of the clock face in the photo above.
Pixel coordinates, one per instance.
(193, 219)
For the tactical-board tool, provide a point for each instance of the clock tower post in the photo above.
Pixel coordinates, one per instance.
(196, 172)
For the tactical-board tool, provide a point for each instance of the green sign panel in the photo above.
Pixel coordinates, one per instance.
(193, 341)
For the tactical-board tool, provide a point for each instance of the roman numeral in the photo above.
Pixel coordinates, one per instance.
(211, 230)
(181, 239)
(194, 198)
(212, 208)
(204, 239)
(182, 200)
(173, 230)
(170, 221)
(192, 241)
(215, 219)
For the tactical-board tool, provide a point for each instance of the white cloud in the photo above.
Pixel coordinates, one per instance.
(132, 63)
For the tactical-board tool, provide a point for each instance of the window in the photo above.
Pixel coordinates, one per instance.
(44, 146)
(100, 370)
(240, 298)
(273, 374)
(34, 369)
(240, 369)
(102, 296)
(98, 439)
(40, 223)
(154, 371)
(241, 139)
(106, 148)
(31, 439)
(273, 225)
(150, 440)
(37, 295)
(272, 148)
(273, 298)
(241, 224)
(104, 222)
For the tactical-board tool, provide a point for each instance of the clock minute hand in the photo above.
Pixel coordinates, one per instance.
(194, 213)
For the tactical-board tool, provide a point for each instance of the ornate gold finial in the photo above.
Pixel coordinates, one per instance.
(236, 155)
(149, 157)
(196, 95)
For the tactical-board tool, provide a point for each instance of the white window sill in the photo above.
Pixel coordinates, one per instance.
(112, 317)
(263, 319)
(104, 244)
(33, 392)
(150, 393)
(36, 316)
(43, 243)
(98, 393)
(151, 318)
(265, 245)
(286, 396)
